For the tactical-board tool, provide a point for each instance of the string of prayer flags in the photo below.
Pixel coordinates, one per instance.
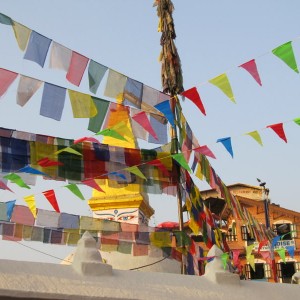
(142, 119)
(3, 186)
(256, 136)
(5, 20)
(278, 129)
(77, 67)
(96, 72)
(82, 105)
(26, 89)
(53, 101)
(30, 200)
(227, 144)
(93, 184)
(60, 57)
(194, 96)
(286, 54)
(6, 79)
(205, 151)
(22, 34)
(75, 190)
(165, 108)
(223, 84)
(251, 67)
(17, 180)
(50, 195)
(37, 49)
(135, 170)
(281, 253)
(179, 157)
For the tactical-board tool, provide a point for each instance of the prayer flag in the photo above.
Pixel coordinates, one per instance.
(6, 79)
(133, 92)
(9, 208)
(93, 184)
(31, 204)
(165, 108)
(251, 67)
(17, 180)
(77, 67)
(205, 151)
(3, 186)
(86, 139)
(115, 84)
(96, 122)
(227, 144)
(22, 34)
(223, 84)
(194, 96)
(261, 244)
(297, 121)
(82, 105)
(255, 135)
(50, 195)
(5, 20)
(224, 259)
(278, 129)
(159, 164)
(135, 170)
(96, 72)
(46, 162)
(26, 89)
(286, 54)
(75, 190)
(281, 253)
(30, 170)
(60, 57)
(275, 240)
(69, 150)
(181, 160)
(291, 251)
(112, 133)
(143, 120)
(37, 48)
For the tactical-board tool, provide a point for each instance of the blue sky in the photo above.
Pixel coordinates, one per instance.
(213, 37)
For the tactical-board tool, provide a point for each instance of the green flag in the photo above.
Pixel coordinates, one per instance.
(112, 133)
(224, 258)
(297, 121)
(286, 54)
(5, 20)
(75, 190)
(181, 160)
(17, 180)
(281, 253)
(135, 170)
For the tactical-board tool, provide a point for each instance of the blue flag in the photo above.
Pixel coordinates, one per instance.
(227, 144)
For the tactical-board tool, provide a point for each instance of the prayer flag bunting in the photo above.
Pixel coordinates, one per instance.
(3, 186)
(50, 195)
(227, 144)
(69, 150)
(142, 119)
(37, 48)
(278, 129)
(5, 20)
(194, 96)
(297, 121)
(96, 72)
(26, 89)
(75, 190)
(205, 151)
(135, 170)
(286, 54)
(31, 204)
(30, 170)
(165, 108)
(93, 184)
(22, 35)
(46, 162)
(251, 67)
(82, 105)
(60, 57)
(281, 253)
(255, 135)
(223, 84)
(181, 160)
(17, 180)
(77, 67)
(6, 79)
(112, 133)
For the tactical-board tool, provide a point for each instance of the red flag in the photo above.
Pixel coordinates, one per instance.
(261, 244)
(143, 120)
(86, 139)
(46, 162)
(250, 66)
(93, 184)
(205, 151)
(3, 186)
(77, 67)
(157, 163)
(194, 96)
(6, 79)
(50, 195)
(278, 129)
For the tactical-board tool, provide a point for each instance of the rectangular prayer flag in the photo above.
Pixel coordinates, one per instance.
(96, 73)
(22, 35)
(115, 84)
(77, 67)
(60, 57)
(96, 122)
(82, 105)
(6, 79)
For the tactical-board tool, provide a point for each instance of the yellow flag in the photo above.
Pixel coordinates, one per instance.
(82, 105)
(31, 204)
(194, 226)
(160, 239)
(22, 34)
(223, 84)
(68, 149)
(199, 173)
(135, 170)
(256, 136)
(250, 260)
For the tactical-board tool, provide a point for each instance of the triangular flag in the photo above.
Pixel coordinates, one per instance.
(30, 170)
(199, 173)
(6, 79)
(223, 84)
(82, 105)
(249, 250)
(179, 157)
(93, 184)
(278, 129)
(142, 119)
(31, 204)
(281, 253)
(135, 170)
(297, 121)
(86, 139)
(275, 240)
(250, 259)
(75, 190)
(235, 256)
(194, 96)
(26, 89)
(227, 144)
(255, 135)
(224, 259)
(157, 163)
(9, 208)
(286, 54)
(50, 195)
(205, 151)
(46, 162)
(17, 180)
(165, 108)
(3, 186)
(251, 67)
(118, 174)
(291, 251)
(261, 244)
(22, 35)
(69, 150)
(112, 133)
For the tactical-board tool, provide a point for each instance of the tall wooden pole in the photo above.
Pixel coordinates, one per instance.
(172, 83)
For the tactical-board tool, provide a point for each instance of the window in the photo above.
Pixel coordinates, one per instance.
(245, 234)
(262, 271)
(297, 266)
(286, 230)
(285, 271)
